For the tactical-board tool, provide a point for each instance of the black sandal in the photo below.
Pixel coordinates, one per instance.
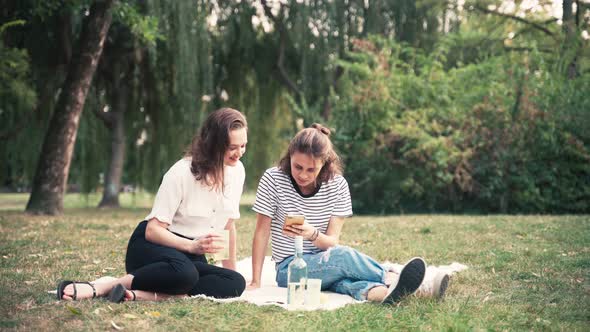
(63, 284)
(117, 294)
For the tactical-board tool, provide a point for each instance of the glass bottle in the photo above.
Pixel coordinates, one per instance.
(297, 277)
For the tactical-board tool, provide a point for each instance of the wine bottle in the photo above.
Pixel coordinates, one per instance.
(297, 277)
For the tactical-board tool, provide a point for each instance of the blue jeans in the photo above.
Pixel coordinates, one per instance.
(342, 270)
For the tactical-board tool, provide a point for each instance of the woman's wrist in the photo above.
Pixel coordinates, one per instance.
(314, 235)
(187, 245)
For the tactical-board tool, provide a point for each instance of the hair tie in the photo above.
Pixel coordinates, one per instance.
(321, 128)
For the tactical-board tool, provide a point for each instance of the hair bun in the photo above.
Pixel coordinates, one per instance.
(321, 128)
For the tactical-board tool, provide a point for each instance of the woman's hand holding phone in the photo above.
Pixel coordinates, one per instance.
(295, 225)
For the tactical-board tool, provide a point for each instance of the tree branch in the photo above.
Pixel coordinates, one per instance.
(64, 38)
(327, 108)
(283, 36)
(282, 71)
(528, 28)
(514, 17)
(527, 49)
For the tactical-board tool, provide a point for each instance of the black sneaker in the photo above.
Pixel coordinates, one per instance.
(410, 279)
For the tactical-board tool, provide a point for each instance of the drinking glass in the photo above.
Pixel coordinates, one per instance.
(313, 292)
(223, 241)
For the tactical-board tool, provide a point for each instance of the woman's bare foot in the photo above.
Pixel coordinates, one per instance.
(85, 290)
(104, 279)
(102, 286)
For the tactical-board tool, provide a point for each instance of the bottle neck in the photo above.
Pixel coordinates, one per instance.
(298, 252)
(298, 247)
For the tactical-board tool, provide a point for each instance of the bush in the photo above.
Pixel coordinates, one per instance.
(491, 136)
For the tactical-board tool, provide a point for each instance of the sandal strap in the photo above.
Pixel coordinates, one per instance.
(87, 283)
(75, 297)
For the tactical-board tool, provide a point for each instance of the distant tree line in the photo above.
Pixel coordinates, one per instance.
(437, 105)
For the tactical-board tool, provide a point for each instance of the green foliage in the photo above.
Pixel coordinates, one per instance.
(175, 75)
(91, 154)
(7, 25)
(458, 117)
(16, 94)
(45, 10)
(488, 136)
(145, 27)
(17, 101)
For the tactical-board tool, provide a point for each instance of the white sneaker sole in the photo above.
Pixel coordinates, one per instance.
(441, 286)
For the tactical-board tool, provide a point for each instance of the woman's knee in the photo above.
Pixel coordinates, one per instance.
(184, 278)
(238, 282)
(338, 252)
(234, 284)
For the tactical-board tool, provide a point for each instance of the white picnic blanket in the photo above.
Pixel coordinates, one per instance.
(270, 294)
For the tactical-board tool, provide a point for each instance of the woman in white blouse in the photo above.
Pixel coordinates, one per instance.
(198, 197)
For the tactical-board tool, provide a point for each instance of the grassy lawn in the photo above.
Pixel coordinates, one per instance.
(526, 273)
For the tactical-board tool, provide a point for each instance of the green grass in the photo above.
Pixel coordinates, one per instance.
(526, 273)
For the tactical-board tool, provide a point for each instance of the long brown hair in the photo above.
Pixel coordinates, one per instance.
(314, 141)
(209, 145)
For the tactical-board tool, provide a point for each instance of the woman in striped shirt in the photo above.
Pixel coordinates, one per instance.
(308, 181)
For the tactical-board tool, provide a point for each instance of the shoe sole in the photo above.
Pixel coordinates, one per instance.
(444, 284)
(410, 279)
(117, 294)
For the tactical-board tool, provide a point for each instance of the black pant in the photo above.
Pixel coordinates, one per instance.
(162, 269)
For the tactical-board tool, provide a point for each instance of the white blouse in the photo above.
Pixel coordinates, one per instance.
(193, 209)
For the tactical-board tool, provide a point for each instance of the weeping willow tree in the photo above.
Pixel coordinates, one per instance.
(309, 36)
(199, 67)
(42, 43)
(152, 82)
(51, 175)
(147, 95)
(243, 76)
(174, 77)
(17, 102)
(275, 61)
(116, 90)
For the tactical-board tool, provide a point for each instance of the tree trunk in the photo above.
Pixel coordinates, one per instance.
(570, 29)
(568, 17)
(51, 175)
(112, 182)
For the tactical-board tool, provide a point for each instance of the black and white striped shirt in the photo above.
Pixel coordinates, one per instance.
(278, 196)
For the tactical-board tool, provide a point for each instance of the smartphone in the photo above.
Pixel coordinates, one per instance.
(294, 220)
